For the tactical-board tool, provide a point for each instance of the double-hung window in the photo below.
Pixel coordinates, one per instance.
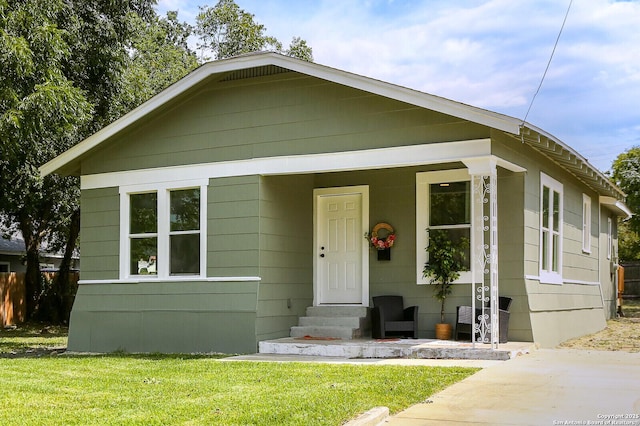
(550, 230)
(609, 238)
(443, 204)
(163, 231)
(143, 233)
(586, 223)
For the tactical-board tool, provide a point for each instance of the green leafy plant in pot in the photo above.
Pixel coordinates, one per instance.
(446, 258)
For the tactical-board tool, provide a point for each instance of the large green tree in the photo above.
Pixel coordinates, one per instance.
(61, 63)
(159, 56)
(41, 114)
(226, 30)
(626, 174)
(70, 67)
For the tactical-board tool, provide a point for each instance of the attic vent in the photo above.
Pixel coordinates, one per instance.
(255, 72)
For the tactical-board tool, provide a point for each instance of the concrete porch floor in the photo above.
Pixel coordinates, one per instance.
(394, 348)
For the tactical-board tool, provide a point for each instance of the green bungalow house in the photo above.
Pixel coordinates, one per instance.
(217, 212)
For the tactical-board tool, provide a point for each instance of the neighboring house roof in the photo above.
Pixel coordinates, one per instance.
(15, 246)
(522, 132)
(12, 246)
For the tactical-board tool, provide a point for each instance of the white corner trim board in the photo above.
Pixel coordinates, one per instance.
(414, 155)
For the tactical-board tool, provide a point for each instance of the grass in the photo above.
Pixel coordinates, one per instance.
(173, 390)
(621, 334)
(32, 337)
(166, 389)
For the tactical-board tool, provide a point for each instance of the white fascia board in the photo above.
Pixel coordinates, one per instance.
(404, 156)
(403, 94)
(616, 205)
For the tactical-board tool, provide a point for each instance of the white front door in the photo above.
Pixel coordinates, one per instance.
(341, 261)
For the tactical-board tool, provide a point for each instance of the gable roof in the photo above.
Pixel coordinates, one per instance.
(268, 62)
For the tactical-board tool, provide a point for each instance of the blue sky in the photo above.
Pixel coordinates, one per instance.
(486, 53)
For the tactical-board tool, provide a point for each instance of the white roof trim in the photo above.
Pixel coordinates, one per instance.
(617, 206)
(435, 103)
(414, 155)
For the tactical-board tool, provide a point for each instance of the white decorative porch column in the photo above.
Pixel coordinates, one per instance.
(484, 250)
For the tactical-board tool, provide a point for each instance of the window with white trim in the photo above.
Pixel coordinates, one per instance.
(586, 223)
(443, 203)
(551, 194)
(163, 231)
(609, 238)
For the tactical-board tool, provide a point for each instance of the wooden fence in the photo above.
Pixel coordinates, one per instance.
(12, 298)
(631, 279)
(13, 294)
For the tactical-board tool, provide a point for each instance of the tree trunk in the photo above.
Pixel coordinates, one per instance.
(33, 283)
(62, 280)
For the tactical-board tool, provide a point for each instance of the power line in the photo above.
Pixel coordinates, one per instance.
(548, 63)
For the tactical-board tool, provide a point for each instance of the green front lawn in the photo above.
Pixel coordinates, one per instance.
(121, 389)
(31, 337)
(41, 389)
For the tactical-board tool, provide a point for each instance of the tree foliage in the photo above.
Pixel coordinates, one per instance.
(159, 56)
(62, 66)
(41, 114)
(226, 30)
(626, 174)
(67, 69)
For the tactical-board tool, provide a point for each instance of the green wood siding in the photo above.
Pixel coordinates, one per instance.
(272, 116)
(171, 316)
(577, 265)
(511, 237)
(233, 227)
(392, 200)
(557, 312)
(286, 253)
(607, 276)
(100, 233)
(165, 317)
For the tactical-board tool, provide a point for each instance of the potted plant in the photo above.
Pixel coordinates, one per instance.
(446, 258)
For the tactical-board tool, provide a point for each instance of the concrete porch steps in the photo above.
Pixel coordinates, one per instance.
(397, 348)
(337, 322)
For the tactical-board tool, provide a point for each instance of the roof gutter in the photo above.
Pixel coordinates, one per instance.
(616, 206)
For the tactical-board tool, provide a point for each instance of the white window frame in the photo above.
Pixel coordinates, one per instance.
(609, 238)
(163, 190)
(550, 276)
(586, 223)
(423, 180)
(7, 264)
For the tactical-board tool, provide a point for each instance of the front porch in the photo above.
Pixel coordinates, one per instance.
(393, 348)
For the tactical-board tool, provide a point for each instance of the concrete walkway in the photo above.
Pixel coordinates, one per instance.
(546, 387)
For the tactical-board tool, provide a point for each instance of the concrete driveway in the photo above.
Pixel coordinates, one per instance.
(546, 387)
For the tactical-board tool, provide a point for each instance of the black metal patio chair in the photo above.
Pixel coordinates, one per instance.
(390, 318)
